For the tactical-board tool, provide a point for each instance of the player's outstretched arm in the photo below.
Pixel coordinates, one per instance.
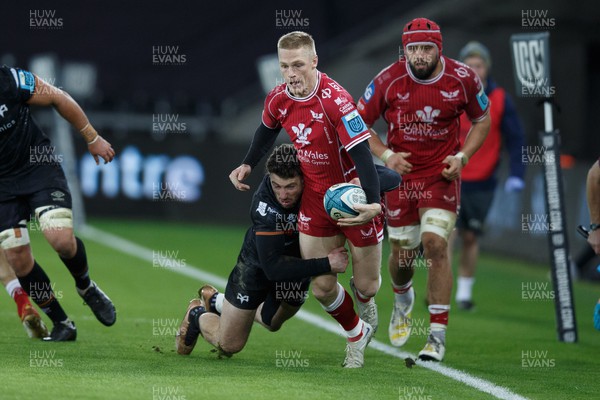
(475, 139)
(279, 267)
(263, 140)
(46, 95)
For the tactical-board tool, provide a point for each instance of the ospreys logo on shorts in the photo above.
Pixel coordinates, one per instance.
(243, 298)
(353, 123)
(57, 195)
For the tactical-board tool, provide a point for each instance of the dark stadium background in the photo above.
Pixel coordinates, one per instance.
(217, 92)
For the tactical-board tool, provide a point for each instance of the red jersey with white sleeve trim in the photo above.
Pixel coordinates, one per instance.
(423, 115)
(323, 126)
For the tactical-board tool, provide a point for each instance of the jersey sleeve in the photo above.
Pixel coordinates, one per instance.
(478, 103)
(263, 218)
(17, 83)
(279, 267)
(372, 103)
(343, 114)
(269, 118)
(263, 140)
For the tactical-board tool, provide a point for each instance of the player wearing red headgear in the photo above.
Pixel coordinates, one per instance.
(421, 97)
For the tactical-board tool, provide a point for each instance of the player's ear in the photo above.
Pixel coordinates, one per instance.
(315, 61)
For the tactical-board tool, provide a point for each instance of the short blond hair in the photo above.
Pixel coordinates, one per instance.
(297, 40)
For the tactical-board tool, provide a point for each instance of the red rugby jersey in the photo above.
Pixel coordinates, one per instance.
(322, 127)
(423, 115)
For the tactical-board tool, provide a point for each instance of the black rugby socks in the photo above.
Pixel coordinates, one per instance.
(38, 287)
(78, 266)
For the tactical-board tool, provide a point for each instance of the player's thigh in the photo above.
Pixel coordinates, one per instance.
(366, 261)
(53, 211)
(235, 326)
(438, 210)
(317, 247)
(436, 223)
(13, 225)
(402, 217)
(14, 236)
(436, 226)
(246, 289)
(14, 212)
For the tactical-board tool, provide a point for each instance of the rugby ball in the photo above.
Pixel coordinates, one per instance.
(340, 198)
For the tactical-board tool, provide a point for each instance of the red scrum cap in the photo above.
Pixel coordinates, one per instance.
(421, 31)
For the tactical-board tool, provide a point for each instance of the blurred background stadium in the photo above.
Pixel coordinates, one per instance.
(177, 88)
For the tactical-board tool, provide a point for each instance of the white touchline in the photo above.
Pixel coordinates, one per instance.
(125, 246)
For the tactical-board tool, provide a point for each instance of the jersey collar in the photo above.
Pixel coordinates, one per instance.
(311, 94)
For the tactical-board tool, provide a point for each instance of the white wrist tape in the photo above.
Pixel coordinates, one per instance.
(386, 155)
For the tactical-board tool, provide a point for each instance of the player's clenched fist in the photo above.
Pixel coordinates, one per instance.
(238, 175)
(452, 171)
(338, 259)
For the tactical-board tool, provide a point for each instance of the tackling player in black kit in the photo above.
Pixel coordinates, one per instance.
(270, 280)
(33, 185)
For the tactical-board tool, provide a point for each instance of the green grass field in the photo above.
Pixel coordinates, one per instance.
(509, 340)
